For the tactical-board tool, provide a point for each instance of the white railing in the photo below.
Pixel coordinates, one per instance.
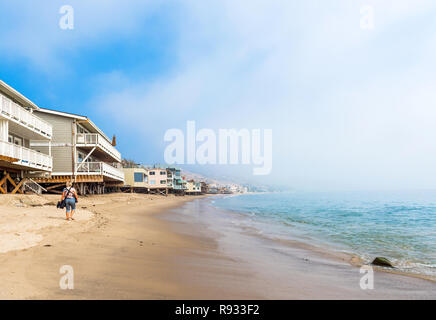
(95, 139)
(99, 168)
(18, 114)
(26, 157)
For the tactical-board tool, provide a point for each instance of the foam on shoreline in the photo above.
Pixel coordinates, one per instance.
(275, 231)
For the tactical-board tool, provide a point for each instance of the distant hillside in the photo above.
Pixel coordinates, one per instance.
(199, 177)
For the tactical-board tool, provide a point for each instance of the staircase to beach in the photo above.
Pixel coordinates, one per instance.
(31, 186)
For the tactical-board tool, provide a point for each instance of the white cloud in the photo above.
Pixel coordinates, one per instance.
(349, 108)
(286, 67)
(32, 31)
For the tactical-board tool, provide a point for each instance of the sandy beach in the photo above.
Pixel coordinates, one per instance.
(134, 246)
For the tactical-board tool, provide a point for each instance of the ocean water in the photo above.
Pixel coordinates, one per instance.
(399, 225)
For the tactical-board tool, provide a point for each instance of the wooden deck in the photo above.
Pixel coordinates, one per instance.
(64, 179)
(84, 184)
(132, 189)
(8, 159)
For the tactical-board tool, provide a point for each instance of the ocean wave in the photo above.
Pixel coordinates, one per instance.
(396, 228)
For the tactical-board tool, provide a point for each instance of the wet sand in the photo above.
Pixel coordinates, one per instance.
(250, 265)
(152, 247)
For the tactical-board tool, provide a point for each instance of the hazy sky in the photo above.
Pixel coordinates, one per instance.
(350, 108)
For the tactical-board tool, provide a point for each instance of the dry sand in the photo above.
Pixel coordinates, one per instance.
(132, 246)
(116, 248)
(24, 216)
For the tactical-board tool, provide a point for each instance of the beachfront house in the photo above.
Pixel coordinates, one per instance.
(213, 189)
(151, 179)
(193, 187)
(19, 124)
(234, 188)
(175, 180)
(136, 177)
(82, 153)
(157, 179)
(204, 187)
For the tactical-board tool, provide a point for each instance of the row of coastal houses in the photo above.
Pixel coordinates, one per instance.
(164, 180)
(159, 179)
(225, 189)
(42, 149)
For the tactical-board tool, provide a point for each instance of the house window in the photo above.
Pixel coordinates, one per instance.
(139, 177)
(163, 181)
(152, 182)
(163, 173)
(18, 141)
(15, 140)
(152, 173)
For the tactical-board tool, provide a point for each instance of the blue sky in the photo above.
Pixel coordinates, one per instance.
(349, 108)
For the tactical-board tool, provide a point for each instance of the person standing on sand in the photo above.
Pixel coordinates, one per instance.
(70, 196)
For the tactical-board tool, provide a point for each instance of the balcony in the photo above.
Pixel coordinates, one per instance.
(99, 168)
(23, 118)
(24, 157)
(90, 140)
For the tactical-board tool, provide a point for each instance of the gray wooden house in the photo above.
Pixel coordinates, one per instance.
(81, 152)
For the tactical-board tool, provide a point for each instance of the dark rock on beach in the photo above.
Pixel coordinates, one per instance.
(383, 262)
